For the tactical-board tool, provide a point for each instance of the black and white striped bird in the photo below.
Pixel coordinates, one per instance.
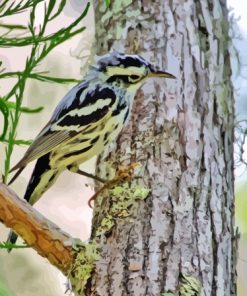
(87, 119)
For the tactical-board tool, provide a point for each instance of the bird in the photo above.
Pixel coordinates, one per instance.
(88, 118)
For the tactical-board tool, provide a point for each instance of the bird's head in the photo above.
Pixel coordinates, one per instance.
(127, 71)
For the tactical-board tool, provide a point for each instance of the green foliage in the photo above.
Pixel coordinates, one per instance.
(21, 142)
(41, 45)
(107, 3)
(7, 245)
(4, 291)
(40, 77)
(5, 111)
(13, 27)
(8, 8)
(12, 105)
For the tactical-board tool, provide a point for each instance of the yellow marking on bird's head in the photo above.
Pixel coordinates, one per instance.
(128, 71)
(130, 78)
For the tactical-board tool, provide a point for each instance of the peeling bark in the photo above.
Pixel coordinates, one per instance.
(182, 134)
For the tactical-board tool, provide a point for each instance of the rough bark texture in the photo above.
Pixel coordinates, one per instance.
(182, 134)
(38, 232)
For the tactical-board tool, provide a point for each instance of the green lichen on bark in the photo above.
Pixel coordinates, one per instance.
(85, 257)
(190, 286)
(121, 199)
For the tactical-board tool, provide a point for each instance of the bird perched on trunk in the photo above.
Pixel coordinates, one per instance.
(87, 119)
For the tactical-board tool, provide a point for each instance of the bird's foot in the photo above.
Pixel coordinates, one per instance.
(124, 174)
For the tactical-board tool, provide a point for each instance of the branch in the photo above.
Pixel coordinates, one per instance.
(74, 258)
(37, 231)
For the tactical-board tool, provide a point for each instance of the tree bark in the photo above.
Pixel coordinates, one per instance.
(181, 238)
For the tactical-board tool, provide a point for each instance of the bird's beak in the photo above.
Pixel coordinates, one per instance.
(161, 74)
(158, 73)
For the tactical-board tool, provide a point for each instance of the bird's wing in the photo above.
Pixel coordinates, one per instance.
(42, 145)
(81, 109)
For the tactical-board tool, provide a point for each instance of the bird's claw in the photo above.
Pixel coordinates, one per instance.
(124, 174)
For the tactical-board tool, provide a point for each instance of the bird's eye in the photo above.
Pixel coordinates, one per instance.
(134, 78)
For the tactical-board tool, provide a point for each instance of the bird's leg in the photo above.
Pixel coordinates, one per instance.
(90, 176)
(75, 169)
(124, 174)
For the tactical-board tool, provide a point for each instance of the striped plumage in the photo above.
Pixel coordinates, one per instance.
(88, 118)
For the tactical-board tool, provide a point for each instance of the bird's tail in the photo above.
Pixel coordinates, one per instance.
(16, 174)
(42, 178)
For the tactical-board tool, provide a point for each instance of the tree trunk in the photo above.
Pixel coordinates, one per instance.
(180, 239)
